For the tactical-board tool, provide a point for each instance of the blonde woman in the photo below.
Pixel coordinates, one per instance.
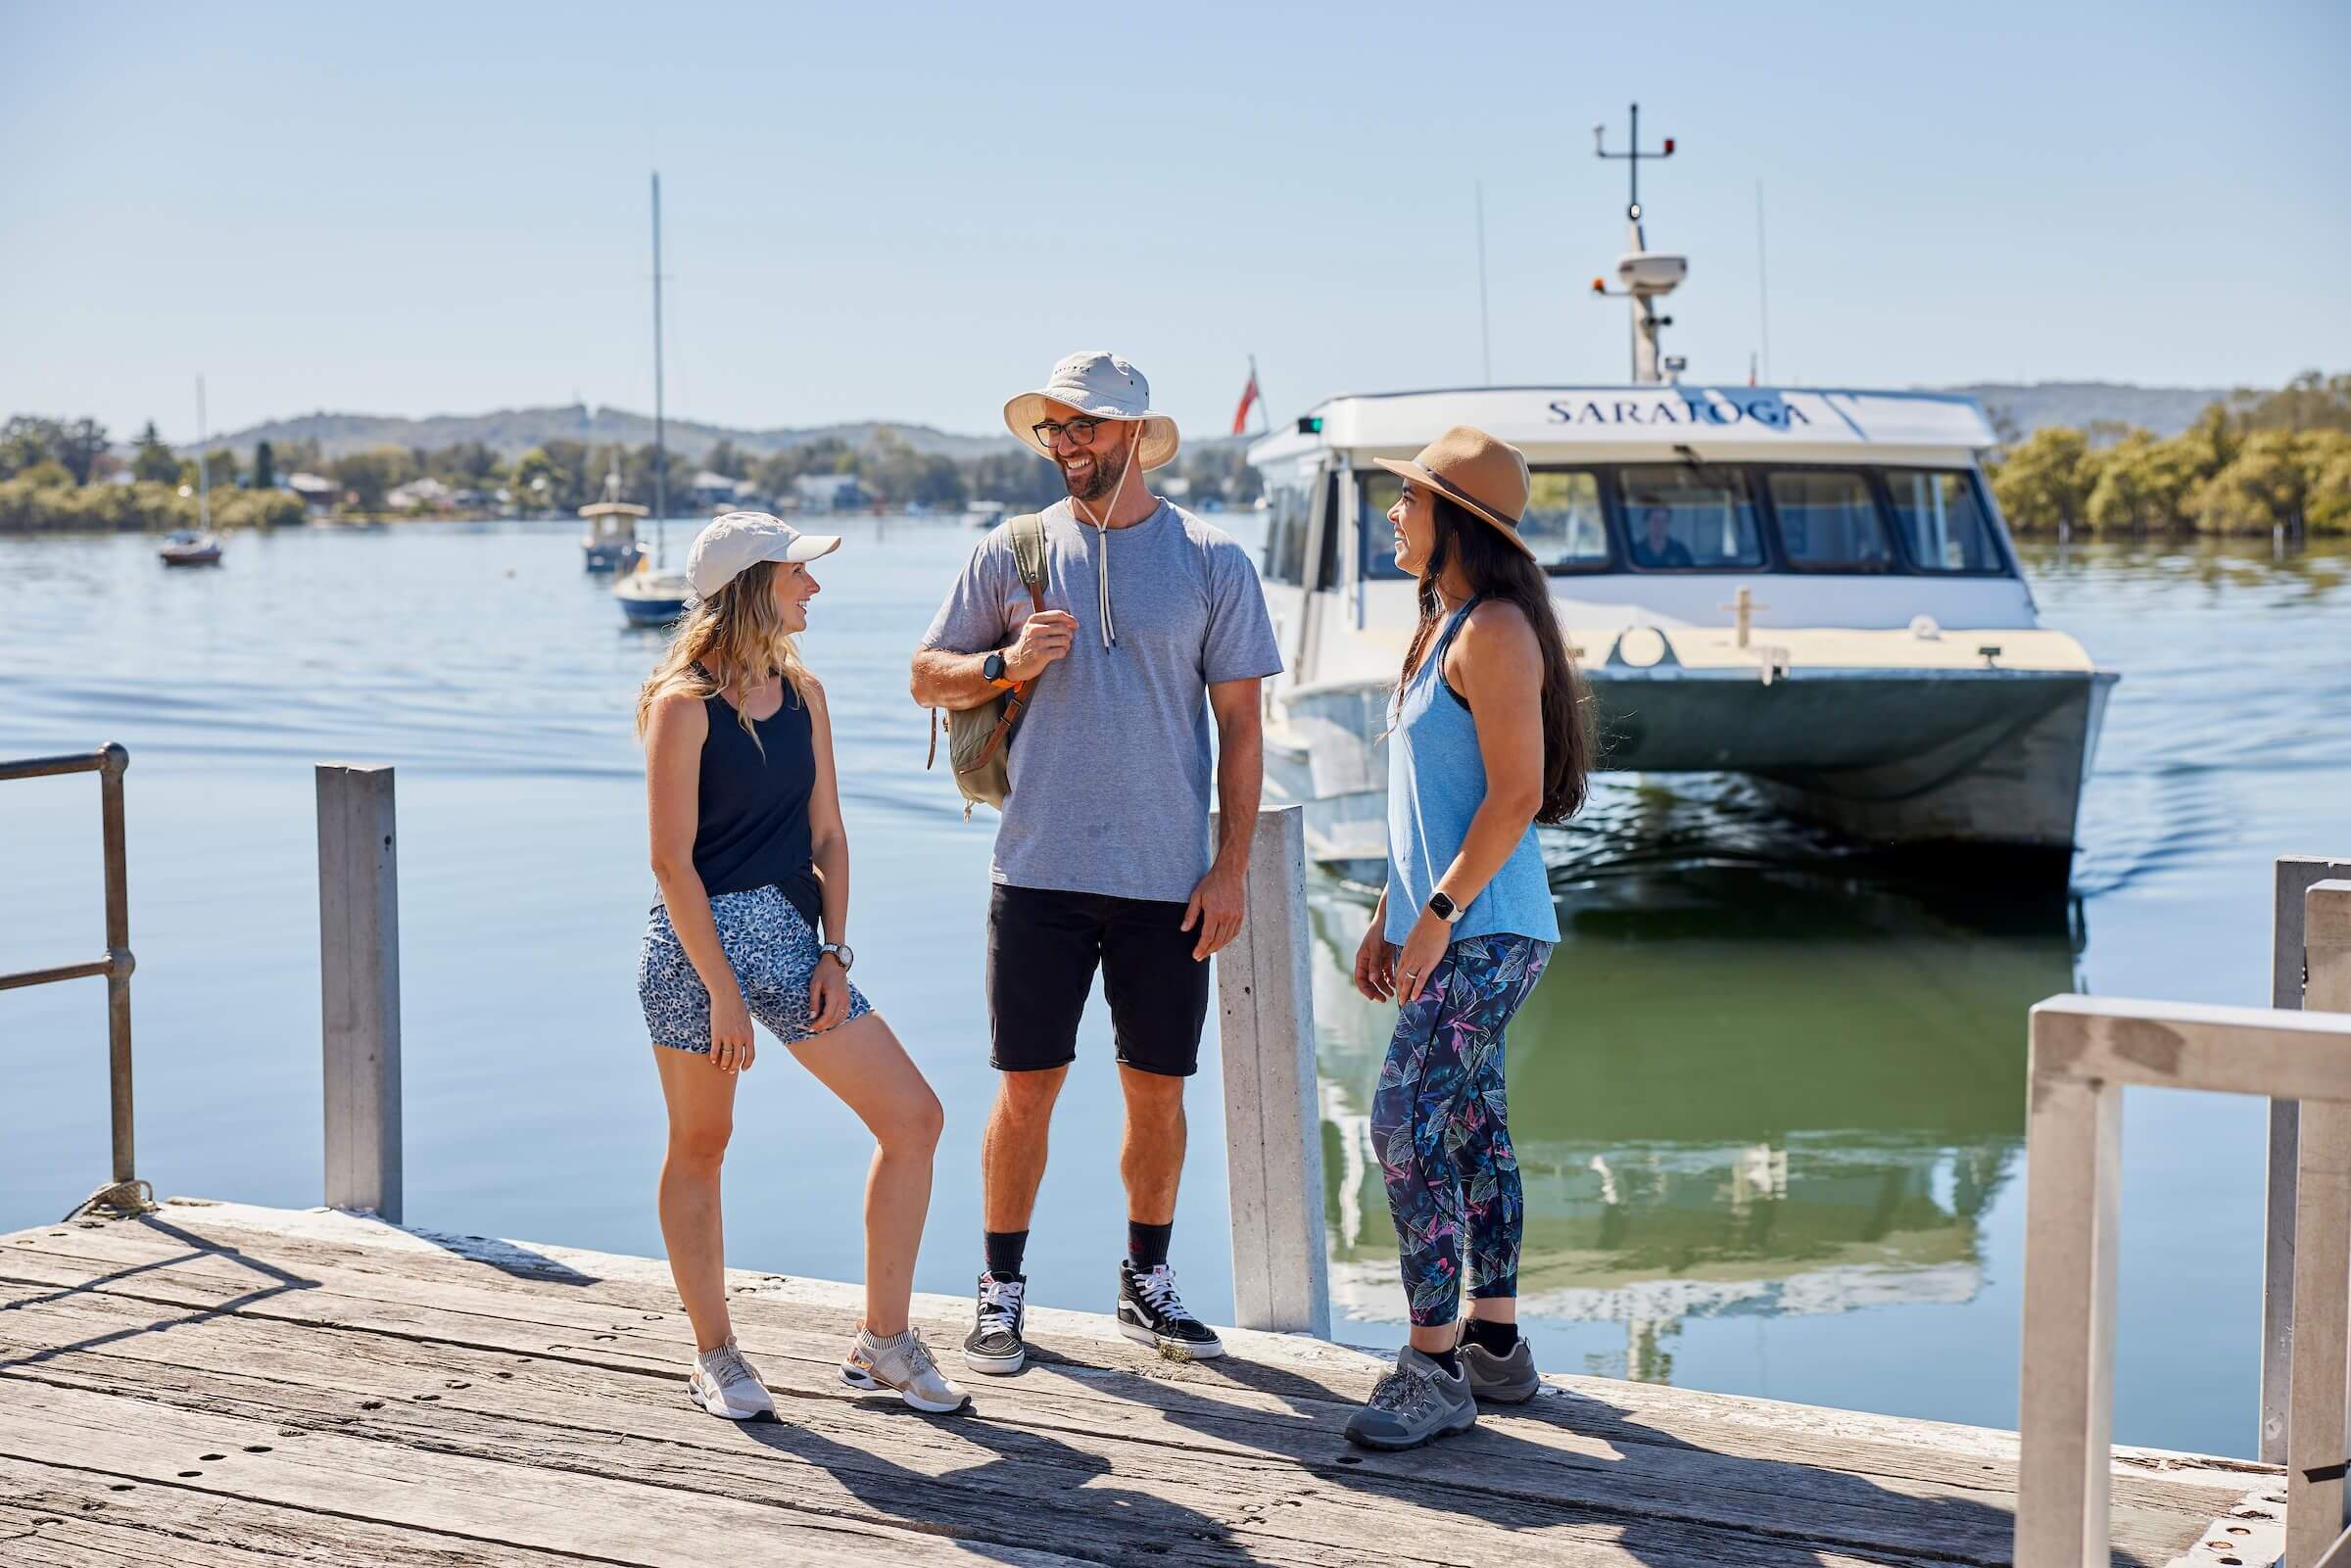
(754, 865)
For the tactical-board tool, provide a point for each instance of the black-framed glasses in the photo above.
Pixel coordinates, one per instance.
(1082, 431)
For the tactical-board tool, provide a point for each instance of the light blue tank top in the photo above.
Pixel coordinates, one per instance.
(1436, 782)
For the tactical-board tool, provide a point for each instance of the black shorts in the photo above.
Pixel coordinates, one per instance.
(1042, 947)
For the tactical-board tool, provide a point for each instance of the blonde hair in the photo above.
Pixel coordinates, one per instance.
(736, 632)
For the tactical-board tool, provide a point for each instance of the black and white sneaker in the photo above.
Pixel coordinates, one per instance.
(1150, 1313)
(994, 1345)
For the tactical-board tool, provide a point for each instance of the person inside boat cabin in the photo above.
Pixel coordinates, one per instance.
(1656, 544)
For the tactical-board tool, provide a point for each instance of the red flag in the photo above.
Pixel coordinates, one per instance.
(1240, 415)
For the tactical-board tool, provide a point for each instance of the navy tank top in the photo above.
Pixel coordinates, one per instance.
(751, 828)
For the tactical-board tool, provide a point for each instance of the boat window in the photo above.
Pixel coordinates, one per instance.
(1564, 525)
(1829, 521)
(1943, 520)
(1683, 518)
(1376, 491)
(1288, 506)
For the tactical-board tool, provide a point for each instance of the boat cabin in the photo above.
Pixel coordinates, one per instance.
(1651, 503)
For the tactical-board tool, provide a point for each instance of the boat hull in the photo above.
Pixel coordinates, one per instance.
(609, 556)
(1896, 759)
(649, 610)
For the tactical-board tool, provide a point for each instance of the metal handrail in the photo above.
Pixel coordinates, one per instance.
(125, 1191)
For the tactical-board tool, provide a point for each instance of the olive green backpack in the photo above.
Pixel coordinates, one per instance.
(980, 739)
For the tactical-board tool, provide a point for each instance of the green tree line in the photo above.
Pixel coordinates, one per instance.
(64, 474)
(2255, 464)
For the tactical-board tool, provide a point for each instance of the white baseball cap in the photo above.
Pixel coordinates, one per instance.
(736, 540)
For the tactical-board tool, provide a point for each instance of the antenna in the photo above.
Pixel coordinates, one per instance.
(1762, 283)
(1633, 156)
(1485, 335)
(1647, 275)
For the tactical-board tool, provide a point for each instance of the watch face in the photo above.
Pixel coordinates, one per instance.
(844, 952)
(1441, 906)
(992, 667)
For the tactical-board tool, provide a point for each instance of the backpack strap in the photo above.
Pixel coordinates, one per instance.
(1029, 555)
(1027, 535)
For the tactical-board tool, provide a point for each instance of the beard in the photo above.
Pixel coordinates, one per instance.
(1102, 479)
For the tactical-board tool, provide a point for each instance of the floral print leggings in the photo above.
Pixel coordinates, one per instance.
(1438, 1123)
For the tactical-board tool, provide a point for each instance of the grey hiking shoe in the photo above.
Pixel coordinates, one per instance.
(1414, 1404)
(1503, 1379)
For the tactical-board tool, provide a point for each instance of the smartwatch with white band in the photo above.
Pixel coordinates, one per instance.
(1444, 908)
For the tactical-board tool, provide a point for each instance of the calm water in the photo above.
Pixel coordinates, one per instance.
(1769, 1106)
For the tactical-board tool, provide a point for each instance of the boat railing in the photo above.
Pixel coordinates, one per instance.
(124, 1192)
(2085, 1052)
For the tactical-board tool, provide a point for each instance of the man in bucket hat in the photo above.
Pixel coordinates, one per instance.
(1154, 622)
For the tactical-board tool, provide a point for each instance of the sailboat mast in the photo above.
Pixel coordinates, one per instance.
(204, 499)
(660, 424)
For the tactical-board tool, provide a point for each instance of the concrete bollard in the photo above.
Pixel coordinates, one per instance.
(1272, 1116)
(359, 965)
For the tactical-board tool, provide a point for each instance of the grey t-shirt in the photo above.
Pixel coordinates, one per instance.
(1110, 768)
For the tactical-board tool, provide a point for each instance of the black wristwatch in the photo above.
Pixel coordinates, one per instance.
(1444, 908)
(992, 667)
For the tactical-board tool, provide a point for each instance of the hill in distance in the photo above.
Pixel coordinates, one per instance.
(2164, 410)
(512, 432)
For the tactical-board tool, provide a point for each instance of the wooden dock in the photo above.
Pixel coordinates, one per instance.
(218, 1386)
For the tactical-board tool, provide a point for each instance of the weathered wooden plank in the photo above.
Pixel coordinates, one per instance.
(358, 989)
(1272, 1124)
(2190, 1045)
(2066, 1401)
(413, 1295)
(418, 1488)
(1189, 1448)
(57, 1516)
(791, 1484)
(1198, 1407)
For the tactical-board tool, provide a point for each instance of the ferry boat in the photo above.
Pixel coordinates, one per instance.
(1812, 586)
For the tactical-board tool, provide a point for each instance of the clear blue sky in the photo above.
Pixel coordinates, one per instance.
(910, 211)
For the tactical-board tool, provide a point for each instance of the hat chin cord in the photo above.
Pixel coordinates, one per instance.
(1134, 452)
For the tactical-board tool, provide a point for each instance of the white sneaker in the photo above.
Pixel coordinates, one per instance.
(903, 1365)
(726, 1385)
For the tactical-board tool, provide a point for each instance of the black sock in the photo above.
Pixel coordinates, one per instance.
(1499, 1339)
(1147, 1244)
(1449, 1361)
(1004, 1250)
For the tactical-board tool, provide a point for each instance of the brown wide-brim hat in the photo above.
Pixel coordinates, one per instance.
(1481, 475)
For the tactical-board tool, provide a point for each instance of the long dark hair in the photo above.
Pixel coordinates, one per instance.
(1497, 569)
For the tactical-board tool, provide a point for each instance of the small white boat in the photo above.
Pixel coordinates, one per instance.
(650, 595)
(610, 543)
(188, 548)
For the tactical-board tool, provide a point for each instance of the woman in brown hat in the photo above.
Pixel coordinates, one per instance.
(1488, 736)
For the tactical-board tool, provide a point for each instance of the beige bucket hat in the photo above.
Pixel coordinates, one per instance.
(1101, 385)
(1483, 475)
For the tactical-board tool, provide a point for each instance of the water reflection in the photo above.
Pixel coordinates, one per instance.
(1740, 1090)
